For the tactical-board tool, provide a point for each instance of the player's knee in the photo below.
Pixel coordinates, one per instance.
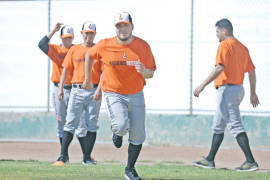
(218, 130)
(235, 130)
(120, 128)
(137, 139)
(69, 129)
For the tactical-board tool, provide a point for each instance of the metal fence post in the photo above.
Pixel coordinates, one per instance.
(191, 60)
(49, 62)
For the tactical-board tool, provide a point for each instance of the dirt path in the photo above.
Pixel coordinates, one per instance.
(226, 158)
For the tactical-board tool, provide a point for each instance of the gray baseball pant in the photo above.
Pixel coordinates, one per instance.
(127, 114)
(61, 113)
(82, 100)
(227, 114)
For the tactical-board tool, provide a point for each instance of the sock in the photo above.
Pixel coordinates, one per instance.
(216, 142)
(243, 142)
(133, 154)
(67, 138)
(89, 144)
(60, 140)
(82, 143)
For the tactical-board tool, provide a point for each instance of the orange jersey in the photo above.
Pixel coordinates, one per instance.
(74, 62)
(119, 74)
(57, 55)
(235, 58)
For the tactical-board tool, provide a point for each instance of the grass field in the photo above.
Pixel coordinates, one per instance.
(111, 170)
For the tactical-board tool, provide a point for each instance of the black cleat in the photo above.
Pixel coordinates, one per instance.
(64, 159)
(89, 161)
(117, 140)
(131, 174)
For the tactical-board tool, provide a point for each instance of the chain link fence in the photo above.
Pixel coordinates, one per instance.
(180, 33)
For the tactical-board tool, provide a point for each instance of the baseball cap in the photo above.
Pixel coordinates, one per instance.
(67, 31)
(122, 17)
(89, 26)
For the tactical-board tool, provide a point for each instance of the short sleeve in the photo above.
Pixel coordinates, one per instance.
(53, 54)
(68, 61)
(250, 66)
(222, 55)
(93, 52)
(149, 59)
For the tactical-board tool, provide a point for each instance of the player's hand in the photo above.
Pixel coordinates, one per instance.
(60, 94)
(87, 85)
(97, 95)
(198, 90)
(254, 100)
(140, 68)
(57, 27)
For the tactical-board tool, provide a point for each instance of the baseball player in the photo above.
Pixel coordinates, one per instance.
(232, 61)
(57, 54)
(127, 61)
(80, 99)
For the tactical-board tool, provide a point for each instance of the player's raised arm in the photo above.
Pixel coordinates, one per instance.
(55, 29)
(44, 42)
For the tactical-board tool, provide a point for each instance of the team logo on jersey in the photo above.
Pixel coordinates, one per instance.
(127, 63)
(124, 55)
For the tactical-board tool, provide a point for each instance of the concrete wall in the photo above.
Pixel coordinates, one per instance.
(161, 129)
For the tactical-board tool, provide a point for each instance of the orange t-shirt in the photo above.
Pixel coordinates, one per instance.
(235, 58)
(119, 74)
(57, 55)
(74, 61)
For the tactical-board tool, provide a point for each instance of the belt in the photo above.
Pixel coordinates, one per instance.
(80, 86)
(226, 85)
(68, 87)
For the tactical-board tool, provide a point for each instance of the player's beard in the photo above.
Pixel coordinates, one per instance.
(124, 38)
(88, 42)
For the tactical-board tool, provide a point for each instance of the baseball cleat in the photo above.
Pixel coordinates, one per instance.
(89, 162)
(61, 161)
(66, 160)
(117, 140)
(58, 163)
(131, 174)
(246, 167)
(204, 164)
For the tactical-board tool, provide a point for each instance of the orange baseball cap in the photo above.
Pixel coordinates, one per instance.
(89, 26)
(122, 17)
(66, 31)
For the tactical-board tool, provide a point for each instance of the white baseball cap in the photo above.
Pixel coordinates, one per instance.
(122, 17)
(89, 26)
(66, 31)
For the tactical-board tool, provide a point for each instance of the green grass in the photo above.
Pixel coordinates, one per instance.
(35, 170)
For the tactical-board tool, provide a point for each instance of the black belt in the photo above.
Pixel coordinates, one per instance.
(227, 85)
(68, 87)
(80, 86)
